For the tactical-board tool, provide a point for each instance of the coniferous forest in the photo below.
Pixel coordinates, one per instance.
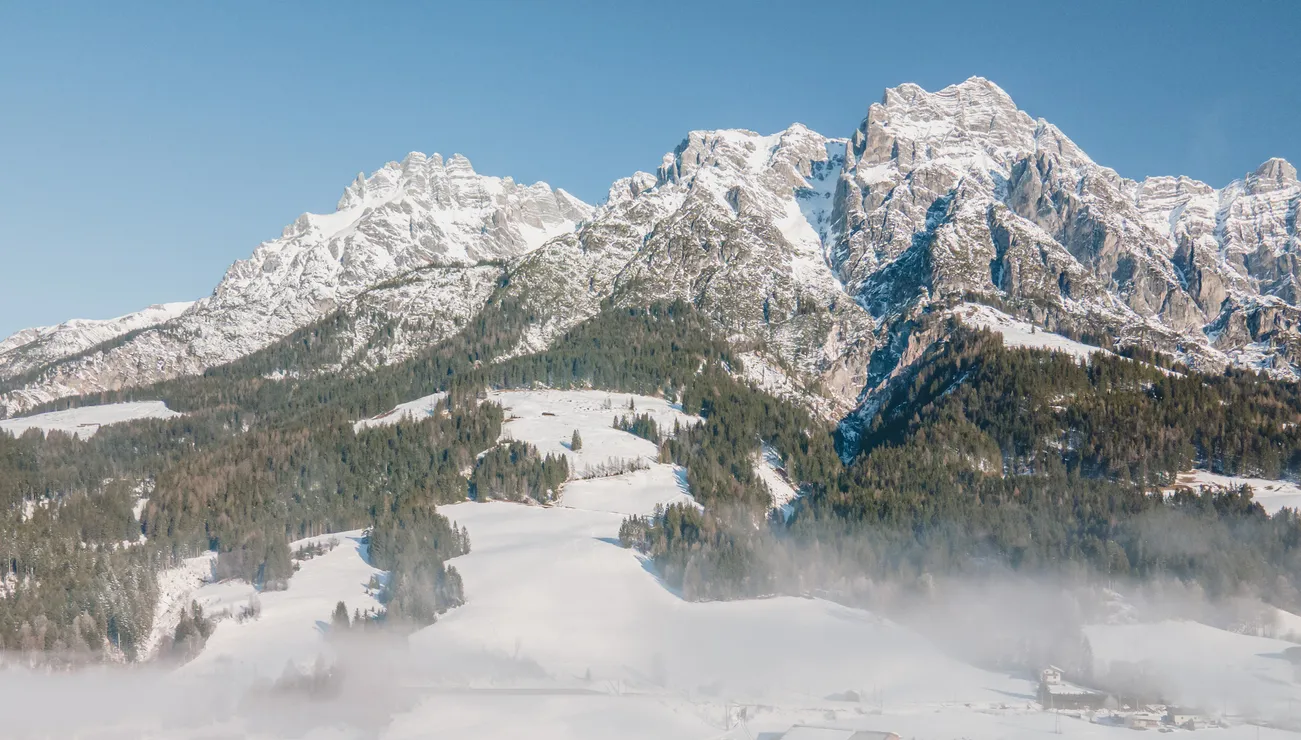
(979, 457)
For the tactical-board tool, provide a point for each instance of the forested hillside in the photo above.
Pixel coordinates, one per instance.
(981, 457)
(987, 457)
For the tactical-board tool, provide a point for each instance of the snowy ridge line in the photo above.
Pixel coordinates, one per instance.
(1019, 334)
(416, 410)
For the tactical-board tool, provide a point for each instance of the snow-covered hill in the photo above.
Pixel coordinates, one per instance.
(83, 422)
(1270, 494)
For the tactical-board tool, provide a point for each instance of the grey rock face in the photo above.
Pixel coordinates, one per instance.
(958, 193)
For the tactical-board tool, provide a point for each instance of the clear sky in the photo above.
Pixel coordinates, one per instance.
(144, 147)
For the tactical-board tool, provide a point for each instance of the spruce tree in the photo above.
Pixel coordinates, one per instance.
(576, 442)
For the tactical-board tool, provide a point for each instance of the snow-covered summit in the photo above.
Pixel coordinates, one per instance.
(405, 216)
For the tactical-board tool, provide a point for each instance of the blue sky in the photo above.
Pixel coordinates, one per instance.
(144, 147)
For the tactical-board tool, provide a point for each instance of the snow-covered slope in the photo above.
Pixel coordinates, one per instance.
(83, 422)
(732, 222)
(1017, 333)
(1200, 666)
(31, 349)
(290, 628)
(1271, 494)
(421, 408)
(547, 419)
(548, 587)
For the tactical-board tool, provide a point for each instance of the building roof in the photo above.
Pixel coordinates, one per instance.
(1070, 689)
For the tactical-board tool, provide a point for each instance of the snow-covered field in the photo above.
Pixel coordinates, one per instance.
(293, 625)
(83, 422)
(1017, 333)
(1271, 494)
(631, 493)
(1197, 665)
(547, 419)
(410, 411)
(566, 635)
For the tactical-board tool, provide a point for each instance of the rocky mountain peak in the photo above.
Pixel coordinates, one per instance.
(740, 153)
(1275, 174)
(911, 124)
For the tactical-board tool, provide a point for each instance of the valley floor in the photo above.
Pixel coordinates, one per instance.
(566, 635)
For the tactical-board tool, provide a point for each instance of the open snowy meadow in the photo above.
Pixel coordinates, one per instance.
(567, 635)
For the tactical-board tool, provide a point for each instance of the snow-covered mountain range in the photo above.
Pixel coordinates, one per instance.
(404, 218)
(824, 255)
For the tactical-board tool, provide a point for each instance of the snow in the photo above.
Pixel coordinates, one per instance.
(565, 634)
(638, 492)
(75, 335)
(547, 419)
(83, 422)
(549, 586)
(1019, 334)
(1200, 666)
(293, 623)
(1273, 495)
(175, 586)
(1287, 625)
(416, 410)
(767, 463)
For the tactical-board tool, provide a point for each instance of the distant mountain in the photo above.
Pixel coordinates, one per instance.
(33, 349)
(825, 258)
(422, 211)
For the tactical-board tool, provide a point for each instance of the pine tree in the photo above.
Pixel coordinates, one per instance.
(340, 619)
(576, 442)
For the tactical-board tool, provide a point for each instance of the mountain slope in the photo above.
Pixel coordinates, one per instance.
(423, 212)
(959, 192)
(31, 349)
(730, 222)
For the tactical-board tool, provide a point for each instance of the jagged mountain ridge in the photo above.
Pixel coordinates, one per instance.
(821, 254)
(404, 217)
(45, 344)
